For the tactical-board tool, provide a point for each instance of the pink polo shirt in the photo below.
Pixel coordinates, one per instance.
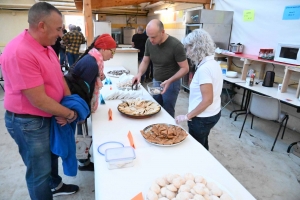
(27, 64)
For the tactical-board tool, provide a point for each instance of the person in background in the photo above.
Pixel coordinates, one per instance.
(62, 50)
(138, 41)
(149, 72)
(73, 40)
(69, 27)
(78, 28)
(206, 86)
(34, 87)
(169, 64)
(85, 76)
(56, 46)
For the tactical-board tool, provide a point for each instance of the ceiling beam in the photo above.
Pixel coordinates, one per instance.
(5, 6)
(96, 4)
(192, 1)
(112, 3)
(63, 1)
(115, 3)
(121, 12)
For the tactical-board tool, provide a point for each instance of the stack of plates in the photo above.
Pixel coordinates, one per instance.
(119, 94)
(231, 74)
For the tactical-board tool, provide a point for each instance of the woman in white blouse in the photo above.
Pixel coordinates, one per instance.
(206, 87)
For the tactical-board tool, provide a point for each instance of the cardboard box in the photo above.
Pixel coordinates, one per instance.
(100, 17)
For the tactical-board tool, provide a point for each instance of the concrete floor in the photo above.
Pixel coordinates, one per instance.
(267, 175)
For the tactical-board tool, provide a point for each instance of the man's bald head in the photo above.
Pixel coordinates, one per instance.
(155, 31)
(155, 24)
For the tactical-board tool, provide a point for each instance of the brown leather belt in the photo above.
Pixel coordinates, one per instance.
(22, 115)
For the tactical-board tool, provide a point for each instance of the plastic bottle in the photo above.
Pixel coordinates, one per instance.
(251, 80)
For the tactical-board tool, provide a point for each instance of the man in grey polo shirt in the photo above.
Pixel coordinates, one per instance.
(169, 64)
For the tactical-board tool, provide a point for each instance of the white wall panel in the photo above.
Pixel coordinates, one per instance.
(267, 29)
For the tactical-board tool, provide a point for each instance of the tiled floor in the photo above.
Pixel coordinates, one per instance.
(267, 175)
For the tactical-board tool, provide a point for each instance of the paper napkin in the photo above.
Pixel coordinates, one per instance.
(131, 139)
(109, 114)
(139, 196)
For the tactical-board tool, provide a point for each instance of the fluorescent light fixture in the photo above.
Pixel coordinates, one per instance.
(164, 10)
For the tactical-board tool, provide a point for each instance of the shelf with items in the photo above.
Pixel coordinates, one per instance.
(249, 59)
(287, 76)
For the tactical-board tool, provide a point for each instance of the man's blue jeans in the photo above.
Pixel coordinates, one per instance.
(169, 98)
(33, 140)
(199, 128)
(72, 58)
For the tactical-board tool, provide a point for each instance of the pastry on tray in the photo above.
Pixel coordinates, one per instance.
(139, 107)
(164, 134)
(117, 73)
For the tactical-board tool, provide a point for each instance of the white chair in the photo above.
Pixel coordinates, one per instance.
(266, 108)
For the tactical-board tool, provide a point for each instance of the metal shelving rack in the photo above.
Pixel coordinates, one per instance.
(217, 23)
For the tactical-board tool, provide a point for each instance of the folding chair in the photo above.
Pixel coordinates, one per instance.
(229, 93)
(266, 108)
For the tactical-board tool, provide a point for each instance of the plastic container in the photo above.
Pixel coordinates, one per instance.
(236, 48)
(251, 82)
(117, 158)
(108, 145)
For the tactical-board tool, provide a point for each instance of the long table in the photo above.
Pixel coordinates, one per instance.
(151, 161)
(288, 97)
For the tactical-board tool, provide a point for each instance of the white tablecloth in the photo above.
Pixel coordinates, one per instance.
(151, 161)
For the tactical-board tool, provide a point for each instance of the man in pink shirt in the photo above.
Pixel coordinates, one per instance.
(34, 86)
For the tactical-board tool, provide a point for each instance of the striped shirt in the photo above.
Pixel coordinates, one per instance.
(73, 40)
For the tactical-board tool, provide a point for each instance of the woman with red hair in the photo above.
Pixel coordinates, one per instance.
(85, 78)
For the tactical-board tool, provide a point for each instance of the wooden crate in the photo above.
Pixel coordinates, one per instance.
(100, 17)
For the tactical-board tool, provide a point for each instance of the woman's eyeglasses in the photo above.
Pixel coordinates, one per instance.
(112, 52)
